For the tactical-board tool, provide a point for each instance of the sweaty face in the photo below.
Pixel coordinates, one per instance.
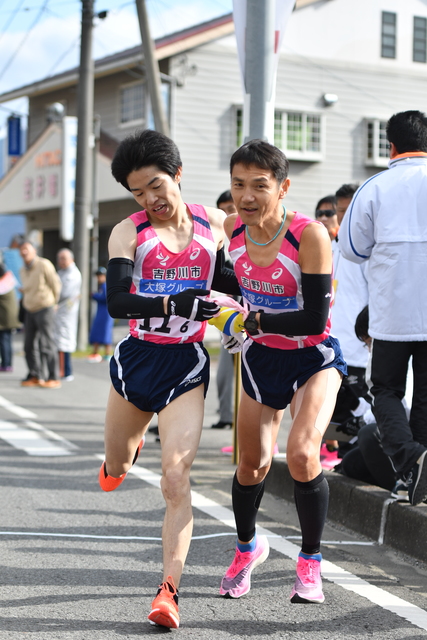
(342, 206)
(256, 193)
(155, 191)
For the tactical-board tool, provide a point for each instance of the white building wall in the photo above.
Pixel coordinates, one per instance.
(349, 30)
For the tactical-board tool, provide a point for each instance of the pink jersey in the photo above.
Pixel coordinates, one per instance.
(159, 272)
(276, 288)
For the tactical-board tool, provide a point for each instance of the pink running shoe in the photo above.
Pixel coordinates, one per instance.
(308, 583)
(237, 580)
(328, 459)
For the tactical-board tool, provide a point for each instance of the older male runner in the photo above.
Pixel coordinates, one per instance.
(283, 262)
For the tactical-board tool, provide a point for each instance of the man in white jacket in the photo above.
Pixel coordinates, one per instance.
(387, 225)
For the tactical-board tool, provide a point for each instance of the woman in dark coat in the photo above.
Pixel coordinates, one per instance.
(102, 327)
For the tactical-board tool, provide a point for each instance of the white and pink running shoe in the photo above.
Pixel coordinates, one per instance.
(237, 580)
(308, 583)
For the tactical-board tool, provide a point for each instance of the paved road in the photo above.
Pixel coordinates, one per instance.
(80, 564)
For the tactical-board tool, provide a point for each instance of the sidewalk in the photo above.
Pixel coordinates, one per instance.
(359, 507)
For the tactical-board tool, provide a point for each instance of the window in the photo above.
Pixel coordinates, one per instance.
(388, 34)
(420, 40)
(377, 145)
(132, 103)
(298, 134)
(135, 106)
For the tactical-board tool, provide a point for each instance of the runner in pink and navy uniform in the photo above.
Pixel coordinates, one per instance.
(283, 262)
(163, 261)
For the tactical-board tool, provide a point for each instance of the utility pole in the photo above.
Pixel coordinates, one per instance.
(152, 70)
(260, 27)
(94, 249)
(259, 68)
(83, 194)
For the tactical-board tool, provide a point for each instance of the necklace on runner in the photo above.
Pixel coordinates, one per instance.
(264, 244)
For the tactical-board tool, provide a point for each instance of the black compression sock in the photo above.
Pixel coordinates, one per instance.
(246, 501)
(311, 499)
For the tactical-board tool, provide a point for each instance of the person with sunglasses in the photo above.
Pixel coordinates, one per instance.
(326, 213)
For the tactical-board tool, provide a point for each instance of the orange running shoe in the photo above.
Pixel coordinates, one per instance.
(108, 483)
(164, 608)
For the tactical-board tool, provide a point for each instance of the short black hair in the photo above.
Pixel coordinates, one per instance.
(327, 199)
(263, 155)
(224, 197)
(347, 190)
(361, 326)
(407, 130)
(144, 149)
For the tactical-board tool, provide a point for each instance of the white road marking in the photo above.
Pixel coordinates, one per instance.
(31, 441)
(17, 410)
(51, 434)
(222, 534)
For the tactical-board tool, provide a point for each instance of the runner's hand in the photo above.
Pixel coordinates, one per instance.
(187, 305)
(233, 344)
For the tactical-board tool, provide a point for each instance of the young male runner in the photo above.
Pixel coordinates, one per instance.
(163, 261)
(283, 263)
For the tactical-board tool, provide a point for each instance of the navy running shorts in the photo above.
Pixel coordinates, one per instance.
(271, 376)
(151, 375)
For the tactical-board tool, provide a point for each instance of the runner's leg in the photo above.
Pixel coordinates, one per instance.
(311, 410)
(125, 425)
(180, 427)
(257, 429)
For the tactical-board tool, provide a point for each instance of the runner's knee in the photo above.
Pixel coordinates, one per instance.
(175, 483)
(301, 457)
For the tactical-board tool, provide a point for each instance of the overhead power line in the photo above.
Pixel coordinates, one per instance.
(64, 55)
(12, 17)
(21, 44)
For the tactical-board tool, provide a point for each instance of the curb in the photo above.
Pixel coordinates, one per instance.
(363, 508)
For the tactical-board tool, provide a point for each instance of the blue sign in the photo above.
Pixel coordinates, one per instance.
(14, 136)
(170, 287)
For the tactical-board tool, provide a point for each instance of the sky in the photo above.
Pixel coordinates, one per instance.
(39, 38)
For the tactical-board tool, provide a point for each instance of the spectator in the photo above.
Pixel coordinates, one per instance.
(366, 461)
(41, 288)
(67, 313)
(101, 332)
(351, 296)
(225, 371)
(326, 213)
(387, 224)
(8, 316)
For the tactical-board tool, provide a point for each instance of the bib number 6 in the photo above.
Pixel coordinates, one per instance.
(164, 328)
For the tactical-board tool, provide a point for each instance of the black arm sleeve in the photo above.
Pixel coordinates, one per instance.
(224, 279)
(123, 304)
(310, 321)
